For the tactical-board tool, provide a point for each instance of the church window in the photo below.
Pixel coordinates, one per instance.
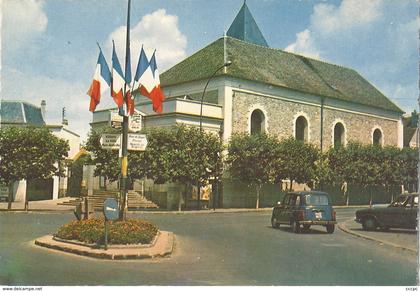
(257, 122)
(338, 135)
(377, 137)
(301, 129)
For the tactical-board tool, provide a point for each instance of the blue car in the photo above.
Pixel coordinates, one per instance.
(304, 209)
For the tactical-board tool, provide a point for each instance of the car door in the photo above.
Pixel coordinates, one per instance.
(281, 215)
(395, 214)
(410, 215)
(290, 208)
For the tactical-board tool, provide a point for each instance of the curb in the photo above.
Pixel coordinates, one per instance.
(204, 211)
(345, 229)
(162, 247)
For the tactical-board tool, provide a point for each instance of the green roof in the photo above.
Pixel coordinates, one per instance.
(245, 28)
(278, 68)
(19, 112)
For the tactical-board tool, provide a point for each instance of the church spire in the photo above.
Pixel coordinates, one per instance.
(245, 28)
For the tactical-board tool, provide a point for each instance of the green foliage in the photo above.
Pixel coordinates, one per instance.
(130, 231)
(253, 158)
(297, 161)
(369, 165)
(259, 159)
(30, 153)
(177, 154)
(106, 161)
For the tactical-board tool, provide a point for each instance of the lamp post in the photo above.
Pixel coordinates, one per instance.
(227, 64)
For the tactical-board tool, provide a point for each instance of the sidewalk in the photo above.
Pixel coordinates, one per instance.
(52, 205)
(400, 238)
(42, 205)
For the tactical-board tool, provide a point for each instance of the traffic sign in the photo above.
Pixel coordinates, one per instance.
(135, 122)
(111, 209)
(137, 142)
(110, 141)
(115, 120)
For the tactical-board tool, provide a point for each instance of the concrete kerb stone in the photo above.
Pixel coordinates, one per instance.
(345, 229)
(161, 247)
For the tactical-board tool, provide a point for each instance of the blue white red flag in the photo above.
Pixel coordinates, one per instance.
(156, 95)
(129, 98)
(118, 82)
(143, 79)
(101, 81)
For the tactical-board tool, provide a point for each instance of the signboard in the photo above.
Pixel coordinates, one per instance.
(137, 142)
(135, 122)
(111, 210)
(115, 120)
(110, 141)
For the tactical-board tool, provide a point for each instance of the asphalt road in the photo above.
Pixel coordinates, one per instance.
(211, 249)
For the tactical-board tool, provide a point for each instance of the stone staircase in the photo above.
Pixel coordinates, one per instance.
(135, 200)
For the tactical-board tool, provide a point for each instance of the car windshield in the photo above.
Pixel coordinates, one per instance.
(399, 201)
(316, 200)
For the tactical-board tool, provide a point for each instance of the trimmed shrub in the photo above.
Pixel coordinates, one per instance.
(130, 231)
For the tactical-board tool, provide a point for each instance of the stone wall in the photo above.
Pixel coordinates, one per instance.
(280, 117)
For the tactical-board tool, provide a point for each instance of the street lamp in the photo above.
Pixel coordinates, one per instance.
(227, 64)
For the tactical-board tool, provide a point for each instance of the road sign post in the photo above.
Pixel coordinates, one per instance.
(111, 212)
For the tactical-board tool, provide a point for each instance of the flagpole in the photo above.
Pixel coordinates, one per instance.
(124, 150)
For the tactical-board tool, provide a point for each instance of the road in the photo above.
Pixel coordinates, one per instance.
(211, 249)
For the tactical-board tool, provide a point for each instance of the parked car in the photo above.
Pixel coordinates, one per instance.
(304, 209)
(402, 213)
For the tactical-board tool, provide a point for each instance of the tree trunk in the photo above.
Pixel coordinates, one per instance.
(10, 198)
(291, 185)
(257, 205)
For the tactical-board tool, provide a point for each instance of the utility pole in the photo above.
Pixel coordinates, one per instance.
(124, 150)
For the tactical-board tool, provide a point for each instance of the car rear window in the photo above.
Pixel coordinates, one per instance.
(316, 200)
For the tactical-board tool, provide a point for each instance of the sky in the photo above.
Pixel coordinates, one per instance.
(49, 51)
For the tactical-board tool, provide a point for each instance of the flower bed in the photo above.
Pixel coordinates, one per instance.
(130, 231)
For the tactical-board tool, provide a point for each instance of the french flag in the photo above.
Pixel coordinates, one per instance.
(156, 95)
(129, 98)
(101, 81)
(144, 80)
(118, 82)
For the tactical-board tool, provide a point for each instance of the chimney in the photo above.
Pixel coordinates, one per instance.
(43, 110)
(64, 119)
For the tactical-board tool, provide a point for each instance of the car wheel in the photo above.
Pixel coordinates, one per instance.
(369, 223)
(274, 223)
(295, 227)
(330, 228)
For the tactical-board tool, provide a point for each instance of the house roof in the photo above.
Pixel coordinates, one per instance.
(279, 68)
(20, 112)
(245, 28)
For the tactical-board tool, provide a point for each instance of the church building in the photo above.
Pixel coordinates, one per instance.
(270, 90)
(250, 87)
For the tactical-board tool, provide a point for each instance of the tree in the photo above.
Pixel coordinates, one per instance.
(106, 161)
(30, 153)
(253, 159)
(177, 154)
(297, 161)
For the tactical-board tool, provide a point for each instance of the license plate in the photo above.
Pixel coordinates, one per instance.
(318, 215)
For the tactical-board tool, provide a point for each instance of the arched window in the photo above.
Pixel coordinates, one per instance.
(301, 129)
(339, 135)
(377, 137)
(257, 122)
